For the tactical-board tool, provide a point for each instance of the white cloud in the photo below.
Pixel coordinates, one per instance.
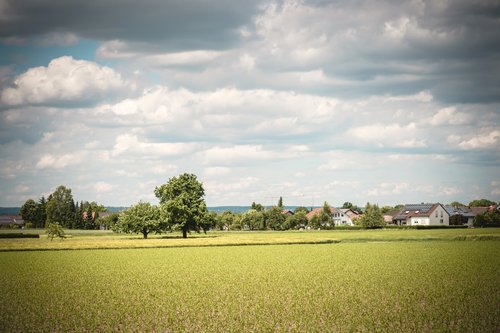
(184, 58)
(476, 142)
(216, 171)
(450, 116)
(103, 187)
(389, 135)
(131, 145)
(52, 161)
(64, 79)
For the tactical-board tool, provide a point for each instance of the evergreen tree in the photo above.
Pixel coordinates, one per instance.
(280, 203)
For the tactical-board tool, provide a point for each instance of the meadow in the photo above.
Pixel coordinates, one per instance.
(364, 283)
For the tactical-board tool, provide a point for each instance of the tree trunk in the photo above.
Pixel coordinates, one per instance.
(184, 232)
(145, 234)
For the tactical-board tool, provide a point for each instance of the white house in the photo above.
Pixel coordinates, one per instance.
(422, 214)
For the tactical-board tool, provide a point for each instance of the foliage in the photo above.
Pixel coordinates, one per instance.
(141, 218)
(253, 220)
(324, 219)
(258, 207)
(481, 203)
(296, 221)
(228, 221)
(280, 202)
(54, 230)
(457, 204)
(372, 217)
(182, 203)
(275, 219)
(458, 219)
(61, 207)
(34, 212)
(301, 209)
(352, 207)
(487, 219)
(386, 209)
(355, 287)
(110, 221)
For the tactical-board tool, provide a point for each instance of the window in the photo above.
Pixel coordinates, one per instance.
(436, 213)
(441, 221)
(441, 213)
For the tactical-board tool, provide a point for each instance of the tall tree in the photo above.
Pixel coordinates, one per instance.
(326, 216)
(141, 218)
(182, 203)
(280, 203)
(61, 207)
(42, 213)
(29, 211)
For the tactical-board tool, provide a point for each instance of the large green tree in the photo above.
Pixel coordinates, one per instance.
(61, 207)
(275, 219)
(253, 220)
(141, 218)
(182, 203)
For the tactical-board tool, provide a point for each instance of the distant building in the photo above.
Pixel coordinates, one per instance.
(422, 214)
(340, 216)
(10, 220)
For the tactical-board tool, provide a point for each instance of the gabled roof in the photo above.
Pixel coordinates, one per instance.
(416, 210)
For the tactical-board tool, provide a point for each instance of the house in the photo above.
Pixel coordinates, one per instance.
(7, 221)
(422, 214)
(345, 216)
(287, 212)
(466, 212)
(340, 216)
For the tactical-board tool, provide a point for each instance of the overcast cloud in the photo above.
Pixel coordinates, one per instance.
(381, 101)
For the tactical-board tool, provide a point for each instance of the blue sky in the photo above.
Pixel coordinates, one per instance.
(380, 101)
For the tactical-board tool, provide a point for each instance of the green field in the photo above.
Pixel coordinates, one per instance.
(88, 239)
(364, 283)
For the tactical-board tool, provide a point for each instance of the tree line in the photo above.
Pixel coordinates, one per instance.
(60, 208)
(182, 208)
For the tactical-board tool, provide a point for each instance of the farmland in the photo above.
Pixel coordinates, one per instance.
(363, 283)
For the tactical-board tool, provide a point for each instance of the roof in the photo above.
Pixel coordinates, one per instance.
(317, 211)
(416, 210)
(9, 219)
(459, 210)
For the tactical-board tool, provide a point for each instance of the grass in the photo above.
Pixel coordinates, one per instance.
(88, 239)
(376, 286)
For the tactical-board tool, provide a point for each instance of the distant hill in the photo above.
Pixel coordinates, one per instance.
(9, 210)
(116, 209)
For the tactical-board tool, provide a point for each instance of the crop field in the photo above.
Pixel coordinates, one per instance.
(403, 286)
(95, 239)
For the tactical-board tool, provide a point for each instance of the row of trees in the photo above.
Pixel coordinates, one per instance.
(60, 208)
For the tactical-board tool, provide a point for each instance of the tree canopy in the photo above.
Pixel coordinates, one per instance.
(182, 203)
(61, 207)
(141, 218)
(372, 217)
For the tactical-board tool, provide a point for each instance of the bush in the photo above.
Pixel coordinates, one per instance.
(17, 235)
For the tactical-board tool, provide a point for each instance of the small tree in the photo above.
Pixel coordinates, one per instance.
(54, 230)
(372, 217)
(280, 203)
(141, 218)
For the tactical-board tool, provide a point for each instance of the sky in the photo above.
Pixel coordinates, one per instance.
(385, 102)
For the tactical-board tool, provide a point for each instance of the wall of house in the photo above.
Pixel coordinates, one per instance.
(441, 214)
(419, 221)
